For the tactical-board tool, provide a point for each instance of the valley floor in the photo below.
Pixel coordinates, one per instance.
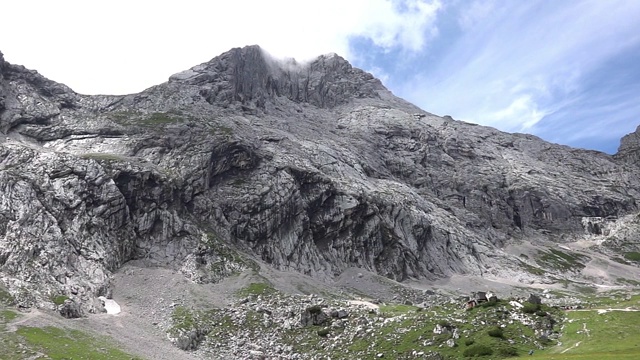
(607, 326)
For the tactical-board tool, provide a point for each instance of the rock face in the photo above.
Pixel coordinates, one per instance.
(308, 167)
(629, 149)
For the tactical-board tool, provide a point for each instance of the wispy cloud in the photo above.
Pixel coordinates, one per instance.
(515, 65)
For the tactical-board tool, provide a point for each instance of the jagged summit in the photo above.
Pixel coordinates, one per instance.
(251, 76)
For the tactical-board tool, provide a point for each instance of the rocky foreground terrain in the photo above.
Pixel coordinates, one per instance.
(305, 179)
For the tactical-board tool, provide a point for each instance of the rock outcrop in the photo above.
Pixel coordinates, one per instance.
(629, 149)
(310, 167)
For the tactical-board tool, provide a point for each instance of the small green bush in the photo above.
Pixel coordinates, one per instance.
(496, 332)
(508, 351)
(315, 309)
(444, 323)
(488, 304)
(324, 332)
(530, 308)
(469, 342)
(477, 350)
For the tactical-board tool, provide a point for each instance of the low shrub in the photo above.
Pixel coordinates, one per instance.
(530, 308)
(508, 351)
(477, 350)
(444, 323)
(496, 332)
(59, 299)
(469, 342)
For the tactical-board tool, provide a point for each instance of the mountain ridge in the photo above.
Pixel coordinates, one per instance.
(316, 170)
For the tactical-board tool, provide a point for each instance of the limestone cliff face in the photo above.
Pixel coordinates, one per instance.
(309, 167)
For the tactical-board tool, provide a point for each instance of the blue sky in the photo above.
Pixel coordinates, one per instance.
(567, 71)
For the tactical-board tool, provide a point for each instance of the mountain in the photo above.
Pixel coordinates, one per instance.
(314, 168)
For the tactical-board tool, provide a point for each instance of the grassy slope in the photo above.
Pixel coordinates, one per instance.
(54, 342)
(610, 335)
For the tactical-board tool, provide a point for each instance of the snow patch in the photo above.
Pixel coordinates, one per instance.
(110, 305)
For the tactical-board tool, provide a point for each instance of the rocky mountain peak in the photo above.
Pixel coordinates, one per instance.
(27, 97)
(311, 167)
(629, 149)
(251, 76)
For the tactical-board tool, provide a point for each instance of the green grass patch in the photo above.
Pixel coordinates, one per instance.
(59, 299)
(632, 255)
(397, 309)
(255, 289)
(590, 335)
(147, 120)
(158, 118)
(124, 117)
(561, 261)
(183, 318)
(532, 269)
(60, 344)
(7, 316)
(5, 297)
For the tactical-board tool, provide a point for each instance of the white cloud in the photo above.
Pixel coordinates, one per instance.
(123, 46)
(521, 115)
(476, 12)
(515, 63)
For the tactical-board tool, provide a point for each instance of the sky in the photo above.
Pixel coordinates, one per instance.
(567, 71)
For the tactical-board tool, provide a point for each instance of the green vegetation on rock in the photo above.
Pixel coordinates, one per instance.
(561, 261)
(7, 316)
(255, 289)
(530, 308)
(147, 120)
(632, 255)
(5, 297)
(158, 118)
(59, 299)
